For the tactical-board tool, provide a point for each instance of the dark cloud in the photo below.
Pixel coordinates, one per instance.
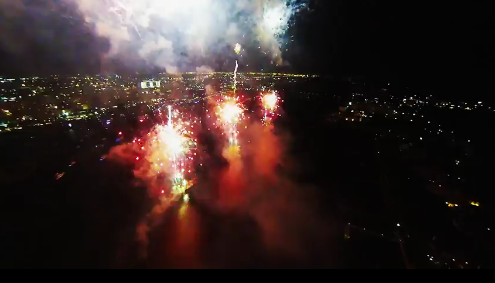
(46, 37)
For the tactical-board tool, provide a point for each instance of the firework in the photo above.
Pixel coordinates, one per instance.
(270, 103)
(230, 113)
(237, 48)
(235, 76)
(169, 151)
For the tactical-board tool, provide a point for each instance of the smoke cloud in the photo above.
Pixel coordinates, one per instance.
(204, 70)
(47, 37)
(179, 35)
(257, 183)
(152, 179)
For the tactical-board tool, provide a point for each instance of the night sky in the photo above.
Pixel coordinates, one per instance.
(444, 48)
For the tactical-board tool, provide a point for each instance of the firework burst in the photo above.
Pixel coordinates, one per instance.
(230, 113)
(169, 151)
(270, 102)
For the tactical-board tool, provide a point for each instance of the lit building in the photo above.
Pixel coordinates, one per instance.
(150, 84)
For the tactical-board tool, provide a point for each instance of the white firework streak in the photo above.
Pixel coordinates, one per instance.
(235, 76)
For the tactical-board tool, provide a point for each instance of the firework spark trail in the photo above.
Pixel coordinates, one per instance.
(235, 77)
(237, 50)
(230, 111)
(119, 9)
(170, 115)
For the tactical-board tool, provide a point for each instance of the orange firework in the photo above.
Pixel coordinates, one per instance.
(270, 101)
(169, 150)
(230, 113)
(270, 105)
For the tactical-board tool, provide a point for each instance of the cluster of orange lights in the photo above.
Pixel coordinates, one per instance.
(230, 113)
(270, 101)
(171, 148)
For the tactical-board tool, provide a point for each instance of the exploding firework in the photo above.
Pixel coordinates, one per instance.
(169, 152)
(230, 113)
(270, 103)
(237, 48)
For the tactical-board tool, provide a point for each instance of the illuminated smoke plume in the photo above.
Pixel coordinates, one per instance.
(176, 34)
(163, 159)
(257, 183)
